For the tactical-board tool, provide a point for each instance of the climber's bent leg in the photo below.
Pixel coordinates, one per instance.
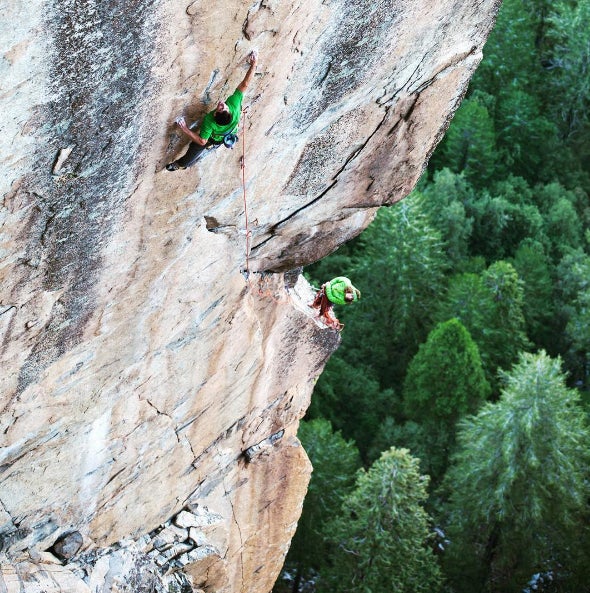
(325, 306)
(317, 301)
(191, 156)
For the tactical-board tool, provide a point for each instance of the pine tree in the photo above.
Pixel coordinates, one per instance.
(506, 332)
(490, 306)
(381, 539)
(445, 379)
(519, 485)
(569, 62)
(469, 146)
(534, 268)
(564, 227)
(574, 297)
(444, 201)
(350, 397)
(398, 264)
(503, 219)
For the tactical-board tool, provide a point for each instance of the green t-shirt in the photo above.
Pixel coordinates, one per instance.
(211, 129)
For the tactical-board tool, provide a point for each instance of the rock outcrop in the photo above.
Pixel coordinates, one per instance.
(157, 348)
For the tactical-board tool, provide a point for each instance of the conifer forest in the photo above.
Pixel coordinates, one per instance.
(449, 433)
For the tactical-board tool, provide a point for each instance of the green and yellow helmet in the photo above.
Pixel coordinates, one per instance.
(337, 289)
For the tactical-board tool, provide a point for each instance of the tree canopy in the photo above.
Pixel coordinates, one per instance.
(381, 540)
(519, 482)
(471, 342)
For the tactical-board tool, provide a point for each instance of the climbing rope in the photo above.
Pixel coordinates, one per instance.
(244, 192)
(262, 292)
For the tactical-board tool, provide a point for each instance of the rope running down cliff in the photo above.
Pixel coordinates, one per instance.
(244, 191)
(282, 299)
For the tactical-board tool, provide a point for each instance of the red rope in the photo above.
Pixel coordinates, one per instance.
(244, 192)
(266, 293)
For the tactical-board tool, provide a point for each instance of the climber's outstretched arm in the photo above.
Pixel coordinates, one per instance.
(252, 59)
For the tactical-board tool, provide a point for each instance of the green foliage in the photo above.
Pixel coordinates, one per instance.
(497, 235)
(564, 227)
(535, 90)
(401, 266)
(398, 265)
(510, 53)
(525, 137)
(506, 288)
(504, 335)
(574, 285)
(519, 482)
(512, 73)
(503, 221)
(381, 538)
(342, 391)
(444, 202)
(445, 379)
(335, 463)
(534, 268)
(490, 306)
(546, 196)
(569, 62)
(430, 442)
(469, 146)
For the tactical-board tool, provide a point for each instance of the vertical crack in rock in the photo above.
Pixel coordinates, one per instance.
(316, 199)
(235, 519)
(9, 532)
(100, 69)
(207, 92)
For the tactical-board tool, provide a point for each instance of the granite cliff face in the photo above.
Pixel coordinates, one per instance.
(157, 353)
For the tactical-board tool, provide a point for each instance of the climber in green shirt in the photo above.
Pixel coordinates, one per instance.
(218, 126)
(339, 291)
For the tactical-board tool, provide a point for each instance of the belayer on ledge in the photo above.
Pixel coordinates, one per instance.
(218, 126)
(339, 291)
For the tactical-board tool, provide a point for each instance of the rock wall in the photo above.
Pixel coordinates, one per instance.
(156, 344)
